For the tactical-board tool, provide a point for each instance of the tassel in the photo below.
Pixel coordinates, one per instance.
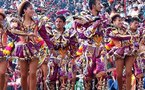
(40, 42)
(8, 49)
(80, 51)
(109, 45)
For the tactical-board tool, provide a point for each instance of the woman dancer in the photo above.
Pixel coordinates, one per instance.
(26, 49)
(126, 47)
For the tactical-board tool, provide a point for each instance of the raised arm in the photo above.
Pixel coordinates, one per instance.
(46, 37)
(116, 35)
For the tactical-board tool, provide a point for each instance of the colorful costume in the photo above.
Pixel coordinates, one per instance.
(91, 35)
(126, 45)
(6, 50)
(62, 49)
(27, 48)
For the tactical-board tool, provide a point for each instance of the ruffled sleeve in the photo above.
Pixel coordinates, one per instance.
(46, 37)
(114, 34)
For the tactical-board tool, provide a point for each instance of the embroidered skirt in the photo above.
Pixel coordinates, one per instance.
(139, 64)
(27, 51)
(122, 52)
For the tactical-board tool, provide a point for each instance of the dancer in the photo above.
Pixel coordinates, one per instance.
(60, 42)
(126, 48)
(27, 49)
(3, 43)
(90, 29)
(44, 68)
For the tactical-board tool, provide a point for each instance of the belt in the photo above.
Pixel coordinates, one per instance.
(125, 43)
(60, 51)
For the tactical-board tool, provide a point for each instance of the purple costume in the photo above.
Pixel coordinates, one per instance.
(27, 48)
(91, 35)
(62, 48)
(128, 44)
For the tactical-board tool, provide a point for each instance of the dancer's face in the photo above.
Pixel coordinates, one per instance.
(59, 23)
(118, 22)
(134, 25)
(29, 11)
(98, 5)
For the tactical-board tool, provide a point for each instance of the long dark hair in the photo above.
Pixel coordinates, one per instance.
(24, 7)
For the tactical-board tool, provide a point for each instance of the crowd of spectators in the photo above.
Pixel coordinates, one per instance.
(51, 7)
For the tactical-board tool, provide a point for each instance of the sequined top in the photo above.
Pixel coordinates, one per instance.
(60, 40)
(94, 32)
(22, 32)
(30, 29)
(56, 40)
(123, 37)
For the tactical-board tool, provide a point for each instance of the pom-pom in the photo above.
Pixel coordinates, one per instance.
(80, 51)
(8, 49)
(109, 45)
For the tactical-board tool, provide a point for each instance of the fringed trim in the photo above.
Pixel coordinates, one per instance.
(26, 58)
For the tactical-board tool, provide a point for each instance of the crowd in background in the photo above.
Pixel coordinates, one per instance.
(125, 7)
(53, 8)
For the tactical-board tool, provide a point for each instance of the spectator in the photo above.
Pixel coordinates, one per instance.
(135, 12)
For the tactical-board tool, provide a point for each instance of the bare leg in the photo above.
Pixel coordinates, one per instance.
(24, 73)
(6, 81)
(129, 64)
(32, 75)
(3, 68)
(28, 81)
(119, 69)
(44, 69)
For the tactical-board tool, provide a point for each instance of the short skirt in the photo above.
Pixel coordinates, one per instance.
(26, 51)
(123, 52)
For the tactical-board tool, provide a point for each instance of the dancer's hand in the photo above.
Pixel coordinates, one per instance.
(32, 34)
(136, 36)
